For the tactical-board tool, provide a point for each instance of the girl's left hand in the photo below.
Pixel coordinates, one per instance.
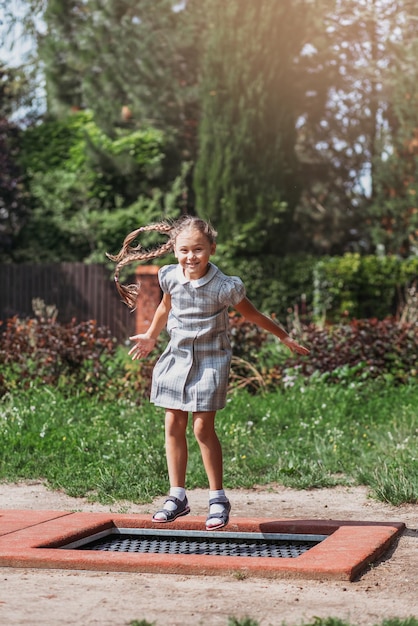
(294, 346)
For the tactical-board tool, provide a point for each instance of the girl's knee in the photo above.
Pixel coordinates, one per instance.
(175, 421)
(203, 429)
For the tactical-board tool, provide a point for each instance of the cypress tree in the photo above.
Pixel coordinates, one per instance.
(246, 173)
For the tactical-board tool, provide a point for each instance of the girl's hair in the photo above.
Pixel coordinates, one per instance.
(129, 254)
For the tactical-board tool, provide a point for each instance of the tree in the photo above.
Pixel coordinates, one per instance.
(72, 193)
(355, 42)
(393, 214)
(58, 50)
(13, 206)
(247, 173)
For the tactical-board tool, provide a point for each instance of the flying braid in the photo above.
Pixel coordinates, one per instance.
(129, 254)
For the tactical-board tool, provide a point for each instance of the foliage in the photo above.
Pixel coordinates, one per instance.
(355, 352)
(393, 214)
(361, 350)
(277, 285)
(82, 182)
(112, 226)
(133, 63)
(306, 110)
(246, 171)
(12, 197)
(75, 144)
(315, 435)
(358, 286)
(40, 350)
(355, 54)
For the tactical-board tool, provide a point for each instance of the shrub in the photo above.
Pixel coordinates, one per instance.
(78, 357)
(360, 287)
(277, 285)
(85, 358)
(360, 350)
(43, 350)
(357, 350)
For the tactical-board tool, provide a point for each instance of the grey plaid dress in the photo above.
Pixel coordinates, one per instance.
(192, 373)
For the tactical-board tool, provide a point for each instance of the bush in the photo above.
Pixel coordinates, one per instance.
(357, 350)
(277, 285)
(75, 174)
(42, 350)
(360, 287)
(78, 357)
(86, 358)
(361, 350)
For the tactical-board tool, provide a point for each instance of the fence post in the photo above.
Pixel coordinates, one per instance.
(149, 296)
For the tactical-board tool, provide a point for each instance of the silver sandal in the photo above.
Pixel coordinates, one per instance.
(223, 516)
(182, 509)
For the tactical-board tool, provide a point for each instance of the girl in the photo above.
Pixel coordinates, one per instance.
(191, 376)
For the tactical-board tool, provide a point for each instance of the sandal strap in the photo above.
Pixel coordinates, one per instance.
(222, 515)
(182, 507)
(220, 500)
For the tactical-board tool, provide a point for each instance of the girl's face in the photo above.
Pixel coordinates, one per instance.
(193, 250)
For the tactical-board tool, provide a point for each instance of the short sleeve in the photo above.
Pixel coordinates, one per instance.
(232, 291)
(163, 278)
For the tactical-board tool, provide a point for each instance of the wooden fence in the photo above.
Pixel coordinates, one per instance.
(79, 291)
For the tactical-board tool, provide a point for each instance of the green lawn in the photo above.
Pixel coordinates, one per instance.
(318, 435)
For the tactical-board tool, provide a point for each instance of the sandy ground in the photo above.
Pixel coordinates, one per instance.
(53, 597)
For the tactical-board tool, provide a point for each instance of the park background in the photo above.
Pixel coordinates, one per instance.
(292, 126)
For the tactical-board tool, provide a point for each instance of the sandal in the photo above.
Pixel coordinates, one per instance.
(182, 509)
(223, 515)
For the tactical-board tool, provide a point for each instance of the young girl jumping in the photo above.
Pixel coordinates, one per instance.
(191, 376)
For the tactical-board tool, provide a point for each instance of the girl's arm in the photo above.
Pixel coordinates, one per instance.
(249, 311)
(145, 342)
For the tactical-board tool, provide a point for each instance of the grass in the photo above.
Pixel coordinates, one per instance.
(305, 437)
(318, 621)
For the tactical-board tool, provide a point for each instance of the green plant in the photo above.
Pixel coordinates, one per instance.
(306, 436)
(356, 286)
(245, 621)
(41, 349)
(360, 350)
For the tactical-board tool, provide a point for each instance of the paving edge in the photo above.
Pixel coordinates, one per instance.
(31, 539)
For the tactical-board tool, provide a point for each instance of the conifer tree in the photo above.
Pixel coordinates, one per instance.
(59, 51)
(246, 173)
(393, 214)
(13, 203)
(343, 139)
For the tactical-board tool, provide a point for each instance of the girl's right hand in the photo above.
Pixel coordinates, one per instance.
(143, 346)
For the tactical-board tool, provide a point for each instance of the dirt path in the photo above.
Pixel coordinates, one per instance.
(54, 597)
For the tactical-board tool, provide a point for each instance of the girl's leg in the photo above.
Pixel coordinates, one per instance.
(210, 447)
(176, 455)
(176, 446)
(211, 451)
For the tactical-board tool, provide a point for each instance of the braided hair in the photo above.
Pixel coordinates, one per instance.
(129, 254)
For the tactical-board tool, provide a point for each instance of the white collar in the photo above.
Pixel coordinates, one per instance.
(197, 282)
